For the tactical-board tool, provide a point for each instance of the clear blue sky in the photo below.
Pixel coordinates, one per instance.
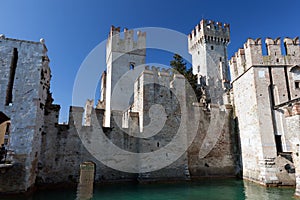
(72, 28)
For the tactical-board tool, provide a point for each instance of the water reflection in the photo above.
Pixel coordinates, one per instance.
(216, 189)
(257, 192)
(212, 189)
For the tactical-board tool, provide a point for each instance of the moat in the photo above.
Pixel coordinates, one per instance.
(221, 189)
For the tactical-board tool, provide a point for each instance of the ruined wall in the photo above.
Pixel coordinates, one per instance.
(24, 85)
(260, 85)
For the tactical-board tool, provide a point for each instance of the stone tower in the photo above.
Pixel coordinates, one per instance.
(263, 86)
(207, 44)
(24, 88)
(122, 55)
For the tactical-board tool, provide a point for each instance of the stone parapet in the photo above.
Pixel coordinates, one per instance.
(127, 43)
(210, 32)
(251, 55)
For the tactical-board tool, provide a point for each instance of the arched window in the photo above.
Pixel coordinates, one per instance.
(131, 66)
(296, 76)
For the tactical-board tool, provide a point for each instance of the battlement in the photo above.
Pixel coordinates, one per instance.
(127, 43)
(208, 31)
(158, 71)
(154, 85)
(252, 55)
(162, 72)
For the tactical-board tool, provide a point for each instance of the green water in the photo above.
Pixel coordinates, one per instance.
(206, 189)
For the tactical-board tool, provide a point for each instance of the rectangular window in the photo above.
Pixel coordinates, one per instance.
(13, 66)
(297, 84)
(131, 66)
(278, 143)
(7, 129)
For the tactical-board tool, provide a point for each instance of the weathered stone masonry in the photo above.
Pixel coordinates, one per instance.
(24, 86)
(265, 90)
(47, 152)
(262, 87)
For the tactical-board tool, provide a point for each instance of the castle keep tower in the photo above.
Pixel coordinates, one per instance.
(122, 55)
(207, 44)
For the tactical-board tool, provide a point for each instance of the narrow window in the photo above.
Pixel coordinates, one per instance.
(13, 66)
(7, 129)
(138, 85)
(278, 143)
(6, 135)
(211, 47)
(131, 66)
(297, 85)
(296, 76)
(42, 75)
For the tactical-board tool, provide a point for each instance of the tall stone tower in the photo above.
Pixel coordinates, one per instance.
(263, 87)
(24, 88)
(207, 44)
(122, 55)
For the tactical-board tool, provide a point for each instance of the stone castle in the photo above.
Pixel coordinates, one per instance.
(258, 139)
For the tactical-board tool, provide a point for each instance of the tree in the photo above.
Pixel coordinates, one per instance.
(179, 65)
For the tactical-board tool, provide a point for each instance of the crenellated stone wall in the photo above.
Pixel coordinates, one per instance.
(46, 152)
(62, 145)
(251, 55)
(262, 87)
